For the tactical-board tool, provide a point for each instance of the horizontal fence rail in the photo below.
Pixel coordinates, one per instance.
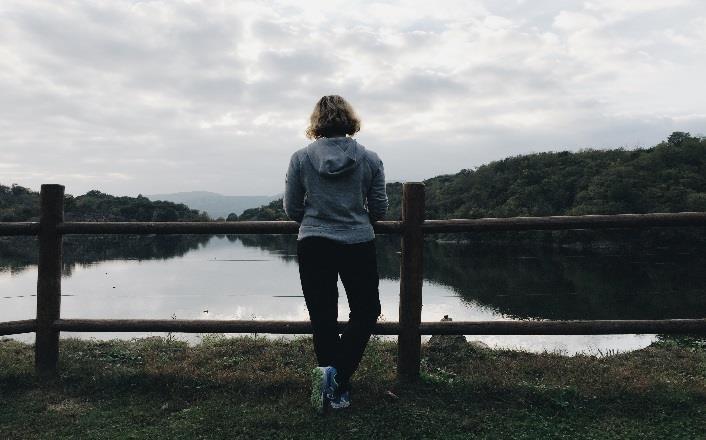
(19, 228)
(590, 327)
(577, 327)
(237, 227)
(202, 326)
(574, 327)
(412, 228)
(17, 327)
(616, 221)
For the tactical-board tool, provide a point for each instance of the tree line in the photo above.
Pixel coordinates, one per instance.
(668, 177)
(18, 203)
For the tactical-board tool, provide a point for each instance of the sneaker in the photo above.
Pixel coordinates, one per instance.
(342, 400)
(323, 387)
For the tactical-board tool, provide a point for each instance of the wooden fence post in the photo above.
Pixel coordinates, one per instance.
(51, 205)
(411, 277)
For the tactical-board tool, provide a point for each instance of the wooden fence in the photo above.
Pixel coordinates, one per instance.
(51, 228)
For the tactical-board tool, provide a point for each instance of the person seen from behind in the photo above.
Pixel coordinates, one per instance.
(335, 190)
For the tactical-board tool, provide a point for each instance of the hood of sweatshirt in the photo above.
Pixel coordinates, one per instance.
(335, 156)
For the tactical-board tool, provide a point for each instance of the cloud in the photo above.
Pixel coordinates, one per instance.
(145, 97)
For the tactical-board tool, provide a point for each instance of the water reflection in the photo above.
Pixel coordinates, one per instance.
(539, 282)
(256, 277)
(547, 283)
(20, 253)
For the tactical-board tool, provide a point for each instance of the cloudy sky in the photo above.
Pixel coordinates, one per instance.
(146, 97)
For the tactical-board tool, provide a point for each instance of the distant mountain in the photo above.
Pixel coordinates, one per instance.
(216, 205)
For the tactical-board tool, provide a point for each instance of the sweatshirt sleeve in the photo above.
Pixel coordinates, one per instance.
(294, 191)
(377, 196)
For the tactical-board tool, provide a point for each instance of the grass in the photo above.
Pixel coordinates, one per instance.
(253, 387)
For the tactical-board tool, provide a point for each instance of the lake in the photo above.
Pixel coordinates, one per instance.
(256, 277)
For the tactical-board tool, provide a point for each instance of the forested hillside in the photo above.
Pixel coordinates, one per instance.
(272, 211)
(669, 177)
(18, 203)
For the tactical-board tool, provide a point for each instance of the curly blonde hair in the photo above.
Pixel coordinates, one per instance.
(332, 116)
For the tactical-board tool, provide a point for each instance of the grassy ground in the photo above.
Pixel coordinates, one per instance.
(254, 388)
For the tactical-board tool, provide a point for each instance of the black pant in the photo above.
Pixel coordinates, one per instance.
(320, 262)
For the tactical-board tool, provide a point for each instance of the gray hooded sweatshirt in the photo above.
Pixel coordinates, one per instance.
(335, 188)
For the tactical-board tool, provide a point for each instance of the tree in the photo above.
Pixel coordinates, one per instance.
(165, 214)
(678, 137)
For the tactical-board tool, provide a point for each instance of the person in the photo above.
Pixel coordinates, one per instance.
(335, 190)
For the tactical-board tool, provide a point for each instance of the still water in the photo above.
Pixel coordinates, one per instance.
(247, 277)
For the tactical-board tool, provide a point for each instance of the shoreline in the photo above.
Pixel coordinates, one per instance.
(561, 345)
